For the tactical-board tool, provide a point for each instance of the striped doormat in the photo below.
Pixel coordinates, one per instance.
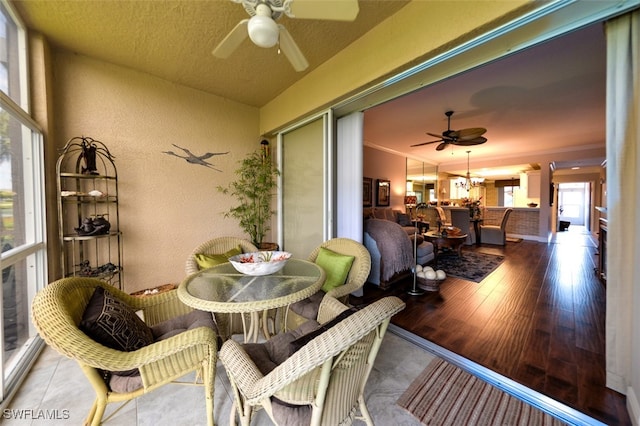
(444, 394)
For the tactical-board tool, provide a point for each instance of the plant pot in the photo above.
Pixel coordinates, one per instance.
(268, 247)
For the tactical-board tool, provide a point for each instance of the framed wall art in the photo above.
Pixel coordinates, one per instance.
(367, 192)
(383, 193)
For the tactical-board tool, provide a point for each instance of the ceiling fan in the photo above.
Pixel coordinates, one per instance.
(462, 137)
(264, 32)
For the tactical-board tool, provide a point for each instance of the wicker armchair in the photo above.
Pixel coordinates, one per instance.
(217, 246)
(323, 382)
(58, 309)
(355, 280)
(228, 324)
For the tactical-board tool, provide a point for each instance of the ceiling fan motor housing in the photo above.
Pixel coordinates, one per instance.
(263, 30)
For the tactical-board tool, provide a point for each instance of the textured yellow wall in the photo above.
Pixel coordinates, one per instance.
(415, 33)
(167, 206)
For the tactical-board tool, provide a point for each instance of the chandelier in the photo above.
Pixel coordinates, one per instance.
(468, 182)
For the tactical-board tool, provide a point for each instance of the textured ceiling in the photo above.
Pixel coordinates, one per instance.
(549, 98)
(173, 39)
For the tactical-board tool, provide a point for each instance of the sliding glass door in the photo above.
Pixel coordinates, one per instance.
(23, 259)
(304, 218)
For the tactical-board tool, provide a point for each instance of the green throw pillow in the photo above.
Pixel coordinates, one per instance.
(208, 260)
(336, 266)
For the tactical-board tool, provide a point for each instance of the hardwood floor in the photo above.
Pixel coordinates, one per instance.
(538, 319)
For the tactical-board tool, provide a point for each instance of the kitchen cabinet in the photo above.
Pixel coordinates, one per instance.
(533, 184)
(88, 214)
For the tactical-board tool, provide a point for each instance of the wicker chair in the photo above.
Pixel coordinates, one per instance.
(324, 380)
(217, 246)
(355, 280)
(58, 309)
(227, 324)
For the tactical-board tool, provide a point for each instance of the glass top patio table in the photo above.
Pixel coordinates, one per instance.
(223, 289)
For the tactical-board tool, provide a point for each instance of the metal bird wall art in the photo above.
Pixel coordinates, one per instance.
(196, 159)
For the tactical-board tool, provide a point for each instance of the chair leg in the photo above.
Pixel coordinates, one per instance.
(364, 411)
(92, 413)
(99, 407)
(245, 417)
(208, 389)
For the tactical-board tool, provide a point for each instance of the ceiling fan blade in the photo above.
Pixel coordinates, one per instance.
(231, 42)
(334, 10)
(426, 143)
(471, 133)
(470, 142)
(442, 146)
(292, 51)
(434, 135)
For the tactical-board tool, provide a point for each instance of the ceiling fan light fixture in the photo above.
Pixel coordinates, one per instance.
(263, 31)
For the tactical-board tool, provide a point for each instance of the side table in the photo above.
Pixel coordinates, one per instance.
(440, 241)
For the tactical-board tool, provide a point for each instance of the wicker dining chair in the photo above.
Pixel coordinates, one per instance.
(323, 382)
(217, 245)
(58, 309)
(304, 310)
(228, 324)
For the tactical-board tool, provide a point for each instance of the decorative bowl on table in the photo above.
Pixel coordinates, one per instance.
(260, 262)
(532, 205)
(452, 230)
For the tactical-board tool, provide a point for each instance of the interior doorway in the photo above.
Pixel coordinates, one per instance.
(574, 200)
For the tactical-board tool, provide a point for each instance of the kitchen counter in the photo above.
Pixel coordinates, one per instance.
(523, 221)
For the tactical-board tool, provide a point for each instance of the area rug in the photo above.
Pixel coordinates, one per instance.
(513, 240)
(473, 266)
(444, 394)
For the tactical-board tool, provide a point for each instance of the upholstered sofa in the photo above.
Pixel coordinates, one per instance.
(392, 250)
(387, 213)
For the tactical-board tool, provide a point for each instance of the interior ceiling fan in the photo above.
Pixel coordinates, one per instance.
(264, 32)
(462, 137)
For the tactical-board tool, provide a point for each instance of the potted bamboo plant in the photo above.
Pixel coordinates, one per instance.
(254, 188)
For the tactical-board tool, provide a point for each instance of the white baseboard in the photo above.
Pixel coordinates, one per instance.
(528, 237)
(633, 407)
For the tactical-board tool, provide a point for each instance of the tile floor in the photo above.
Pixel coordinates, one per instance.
(56, 386)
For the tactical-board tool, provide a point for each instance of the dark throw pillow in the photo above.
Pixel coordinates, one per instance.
(403, 219)
(303, 340)
(113, 323)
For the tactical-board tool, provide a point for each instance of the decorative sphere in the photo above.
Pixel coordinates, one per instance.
(440, 275)
(430, 275)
